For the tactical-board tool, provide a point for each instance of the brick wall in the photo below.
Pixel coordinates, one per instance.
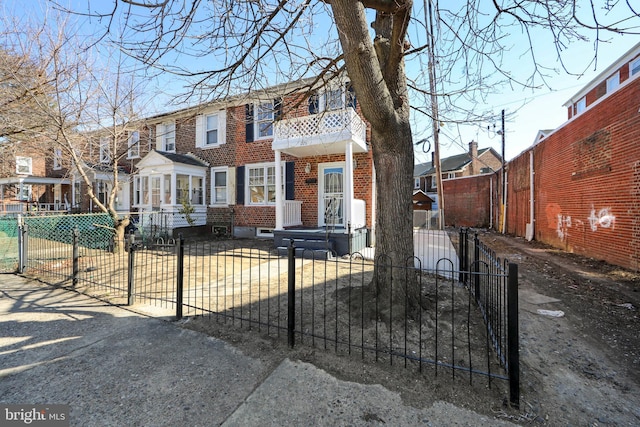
(587, 182)
(466, 201)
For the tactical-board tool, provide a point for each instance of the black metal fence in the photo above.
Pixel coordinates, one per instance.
(466, 320)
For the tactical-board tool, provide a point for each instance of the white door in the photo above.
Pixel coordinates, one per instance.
(331, 195)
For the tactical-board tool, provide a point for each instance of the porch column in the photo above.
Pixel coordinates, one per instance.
(348, 184)
(279, 198)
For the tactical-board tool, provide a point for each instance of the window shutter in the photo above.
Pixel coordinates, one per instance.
(200, 130)
(231, 185)
(351, 97)
(240, 185)
(159, 137)
(314, 101)
(248, 109)
(222, 127)
(277, 109)
(289, 189)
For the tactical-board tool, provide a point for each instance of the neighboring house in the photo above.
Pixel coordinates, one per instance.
(275, 163)
(578, 188)
(33, 180)
(474, 162)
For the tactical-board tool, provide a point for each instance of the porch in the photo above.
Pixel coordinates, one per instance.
(340, 132)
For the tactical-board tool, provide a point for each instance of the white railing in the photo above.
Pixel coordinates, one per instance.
(17, 207)
(292, 213)
(358, 214)
(328, 125)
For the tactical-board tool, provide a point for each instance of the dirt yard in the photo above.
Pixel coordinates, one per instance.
(577, 369)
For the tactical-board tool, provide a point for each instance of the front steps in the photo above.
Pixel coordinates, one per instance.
(308, 248)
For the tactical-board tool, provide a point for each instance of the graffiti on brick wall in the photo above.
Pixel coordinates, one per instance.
(562, 223)
(602, 219)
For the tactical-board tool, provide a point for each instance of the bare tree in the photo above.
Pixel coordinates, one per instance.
(244, 43)
(86, 101)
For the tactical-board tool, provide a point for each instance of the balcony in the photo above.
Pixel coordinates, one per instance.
(317, 134)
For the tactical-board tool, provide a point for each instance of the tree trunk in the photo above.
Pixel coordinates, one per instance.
(376, 69)
(119, 226)
(395, 277)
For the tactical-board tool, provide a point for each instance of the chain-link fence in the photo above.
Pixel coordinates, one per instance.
(8, 244)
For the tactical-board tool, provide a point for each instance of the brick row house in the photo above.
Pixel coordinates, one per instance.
(35, 180)
(472, 163)
(274, 163)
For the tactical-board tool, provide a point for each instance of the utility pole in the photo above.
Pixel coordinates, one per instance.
(503, 211)
(434, 118)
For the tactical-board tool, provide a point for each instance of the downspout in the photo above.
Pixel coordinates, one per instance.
(531, 226)
(504, 207)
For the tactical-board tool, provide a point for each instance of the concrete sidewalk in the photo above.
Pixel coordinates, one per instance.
(116, 367)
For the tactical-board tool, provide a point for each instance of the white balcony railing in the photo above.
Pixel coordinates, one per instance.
(292, 213)
(332, 129)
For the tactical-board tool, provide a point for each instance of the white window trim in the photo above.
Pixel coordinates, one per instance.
(416, 183)
(256, 122)
(57, 159)
(131, 143)
(201, 130)
(213, 186)
(25, 162)
(451, 175)
(105, 155)
(247, 192)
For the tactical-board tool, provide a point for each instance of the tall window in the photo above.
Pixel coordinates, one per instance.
(167, 189)
(197, 197)
(102, 191)
(333, 99)
(634, 67)
(212, 130)
(25, 195)
(262, 185)
(264, 119)
(182, 188)
(57, 159)
(416, 183)
(581, 105)
(105, 152)
(24, 165)
(134, 145)
(155, 191)
(219, 191)
(144, 190)
(168, 137)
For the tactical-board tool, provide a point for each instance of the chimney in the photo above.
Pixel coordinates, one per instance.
(474, 168)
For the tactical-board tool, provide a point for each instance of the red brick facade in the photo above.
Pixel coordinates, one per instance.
(586, 182)
(237, 152)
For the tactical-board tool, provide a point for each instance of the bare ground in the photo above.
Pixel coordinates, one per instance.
(579, 369)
